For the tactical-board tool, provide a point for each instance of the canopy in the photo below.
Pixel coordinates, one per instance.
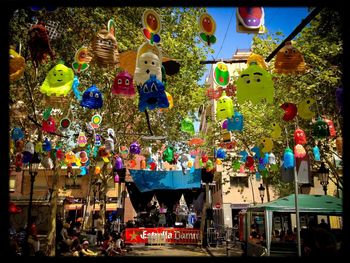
(321, 204)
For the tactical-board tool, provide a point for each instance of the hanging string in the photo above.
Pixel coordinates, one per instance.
(223, 41)
(285, 129)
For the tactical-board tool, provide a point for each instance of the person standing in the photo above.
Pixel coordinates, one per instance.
(99, 228)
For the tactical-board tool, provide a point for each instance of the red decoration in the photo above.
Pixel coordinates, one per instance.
(299, 137)
(14, 209)
(205, 158)
(249, 162)
(332, 131)
(231, 90)
(214, 94)
(49, 125)
(290, 111)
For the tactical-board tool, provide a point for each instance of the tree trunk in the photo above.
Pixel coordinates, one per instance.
(51, 238)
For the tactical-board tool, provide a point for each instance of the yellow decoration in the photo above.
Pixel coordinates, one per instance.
(189, 164)
(224, 107)
(267, 144)
(97, 170)
(258, 59)
(59, 81)
(276, 130)
(17, 66)
(289, 60)
(304, 109)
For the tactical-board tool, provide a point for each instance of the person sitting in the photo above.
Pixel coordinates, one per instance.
(255, 238)
(33, 239)
(66, 239)
(85, 251)
(324, 225)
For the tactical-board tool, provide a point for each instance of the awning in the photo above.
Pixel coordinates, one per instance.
(109, 207)
(73, 206)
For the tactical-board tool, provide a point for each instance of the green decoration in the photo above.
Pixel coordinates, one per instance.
(320, 129)
(168, 154)
(47, 113)
(236, 165)
(221, 74)
(224, 107)
(187, 126)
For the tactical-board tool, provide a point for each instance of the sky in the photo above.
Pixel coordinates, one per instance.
(283, 19)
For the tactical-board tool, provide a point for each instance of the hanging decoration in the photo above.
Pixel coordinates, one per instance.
(320, 129)
(152, 95)
(82, 140)
(151, 26)
(255, 84)
(304, 109)
(97, 141)
(168, 154)
(214, 94)
(257, 59)
(39, 44)
(236, 122)
(17, 65)
(187, 126)
(299, 151)
(105, 47)
(250, 20)
(58, 81)
(276, 130)
(65, 123)
(288, 158)
(135, 148)
(271, 158)
(83, 157)
(256, 151)
(123, 85)
(289, 60)
(207, 28)
(224, 107)
(96, 120)
(299, 137)
(221, 74)
(17, 134)
(224, 124)
(267, 144)
(249, 162)
(290, 111)
(170, 99)
(47, 145)
(221, 154)
(92, 98)
(148, 62)
(49, 125)
(230, 90)
(316, 152)
(332, 131)
(81, 60)
(339, 145)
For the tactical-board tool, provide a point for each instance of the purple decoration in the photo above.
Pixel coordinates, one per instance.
(118, 163)
(339, 94)
(27, 157)
(92, 98)
(224, 124)
(135, 148)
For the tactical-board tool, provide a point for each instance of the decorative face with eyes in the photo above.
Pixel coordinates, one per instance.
(105, 48)
(250, 17)
(224, 107)
(320, 129)
(221, 74)
(58, 81)
(135, 148)
(152, 95)
(123, 85)
(236, 122)
(92, 98)
(299, 137)
(49, 125)
(147, 64)
(289, 60)
(82, 140)
(255, 84)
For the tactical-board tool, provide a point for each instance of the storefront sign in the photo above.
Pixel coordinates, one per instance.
(162, 235)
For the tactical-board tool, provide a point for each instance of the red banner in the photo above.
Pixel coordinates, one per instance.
(162, 235)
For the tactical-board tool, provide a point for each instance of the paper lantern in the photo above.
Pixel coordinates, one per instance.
(148, 62)
(105, 47)
(339, 95)
(288, 158)
(152, 95)
(123, 85)
(17, 66)
(289, 60)
(82, 140)
(255, 84)
(316, 152)
(290, 111)
(236, 122)
(49, 125)
(299, 151)
(58, 81)
(224, 107)
(332, 131)
(339, 145)
(207, 28)
(92, 98)
(267, 144)
(320, 129)
(81, 60)
(135, 148)
(304, 109)
(272, 158)
(39, 44)
(299, 137)
(187, 126)
(151, 26)
(17, 134)
(276, 130)
(257, 59)
(250, 17)
(168, 154)
(221, 74)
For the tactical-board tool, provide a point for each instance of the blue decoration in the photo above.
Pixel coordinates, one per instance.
(17, 134)
(92, 98)
(47, 145)
(236, 122)
(27, 157)
(97, 139)
(288, 158)
(75, 88)
(256, 150)
(244, 155)
(221, 154)
(317, 154)
(83, 170)
(266, 158)
(257, 176)
(261, 167)
(152, 95)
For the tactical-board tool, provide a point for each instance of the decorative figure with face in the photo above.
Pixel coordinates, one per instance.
(299, 137)
(58, 81)
(17, 134)
(304, 109)
(221, 74)
(207, 28)
(236, 122)
(81, 60)
(135, 148)
(92, 98)
(17, 65)
(82, 140)
(289, 60)
(255, 84)
(250, 17)
(290, 111)
(320, 129)
(152, 95)
(152, 26)
(49, 125)
(224, 107)
(123, 85)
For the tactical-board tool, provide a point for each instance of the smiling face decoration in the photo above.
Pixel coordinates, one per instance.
(289, 60)
(82, 140)
(152, 95)
(207, 27)
(123, 85)
(148, 61)
(299, 137)
(250, 17)
(58, 81)
(236, 122)
(255, 84)
(92, 98)
(224, 107)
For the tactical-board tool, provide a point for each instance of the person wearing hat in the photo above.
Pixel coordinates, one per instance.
(85, 251)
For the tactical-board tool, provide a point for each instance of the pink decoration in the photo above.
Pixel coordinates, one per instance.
(299, 151)
(123, 85)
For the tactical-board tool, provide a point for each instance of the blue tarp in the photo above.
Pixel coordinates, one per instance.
(147, 180)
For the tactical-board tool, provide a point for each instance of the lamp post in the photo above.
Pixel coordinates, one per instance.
(323, 176)
(261, 192)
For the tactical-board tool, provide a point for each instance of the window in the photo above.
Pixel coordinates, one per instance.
(239, 181)
(12, 184)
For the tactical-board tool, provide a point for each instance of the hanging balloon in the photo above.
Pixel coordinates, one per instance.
(221, 74)
(320, 129)
(135, 148)
(276, 130)
(304, 109)
(316, 152)
(92, 98)
(289, 60)
(299, 137)
(58, 81)
(288, 158)
(224, 108)
(81, 60)
(17, 65)
(187, 126)
(255, 84)
(207, 28)
(152, 26)
(236, 122)
(123, 85)
(290, 111)
(299, 151)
